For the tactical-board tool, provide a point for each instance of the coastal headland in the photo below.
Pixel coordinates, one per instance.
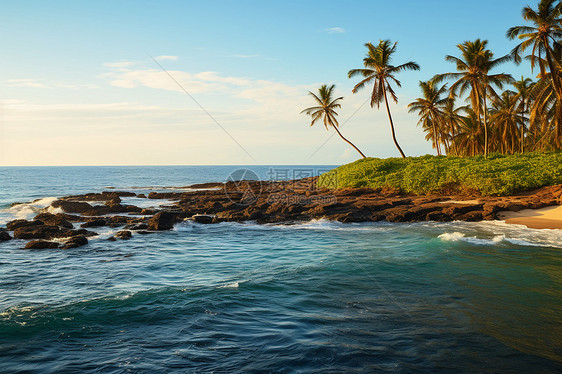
(69, 221)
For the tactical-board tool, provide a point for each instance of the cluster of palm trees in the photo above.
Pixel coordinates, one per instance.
(500, 115)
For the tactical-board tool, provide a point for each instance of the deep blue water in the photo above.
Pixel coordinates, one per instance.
(315, 297)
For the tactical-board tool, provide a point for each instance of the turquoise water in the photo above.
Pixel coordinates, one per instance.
(314, 297)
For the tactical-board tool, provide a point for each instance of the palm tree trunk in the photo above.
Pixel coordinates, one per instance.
(348, 142)
(391, 123)
(485, 126)
(453, 138)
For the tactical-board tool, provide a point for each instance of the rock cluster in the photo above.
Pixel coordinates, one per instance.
(262, 202)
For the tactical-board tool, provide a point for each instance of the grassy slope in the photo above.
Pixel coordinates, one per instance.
(497, 175)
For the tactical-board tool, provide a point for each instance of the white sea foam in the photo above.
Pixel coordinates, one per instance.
(28, 210)
(231, 285)
(498, 233)
(451, 237)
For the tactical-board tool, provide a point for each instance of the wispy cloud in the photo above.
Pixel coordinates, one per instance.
(335, 30)
(166, 58)
(26, 83)
(35, 83)
(245, 56)
(119, 64)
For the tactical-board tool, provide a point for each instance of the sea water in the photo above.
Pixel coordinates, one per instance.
(310, 297)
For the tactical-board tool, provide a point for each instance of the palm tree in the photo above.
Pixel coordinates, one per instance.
(379, 71)
(523, 87)
(473, 67)
(507, 118)
(546, 115)
(452, 119)
(542, 36)
(430, 108)
(469, 134)
(326, 110)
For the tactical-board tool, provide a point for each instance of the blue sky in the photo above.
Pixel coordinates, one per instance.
(78, 85)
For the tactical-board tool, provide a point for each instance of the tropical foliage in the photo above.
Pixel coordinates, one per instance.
(526, 117)
(476, 109)
(495, 175)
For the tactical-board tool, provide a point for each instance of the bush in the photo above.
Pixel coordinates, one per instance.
(498, 174)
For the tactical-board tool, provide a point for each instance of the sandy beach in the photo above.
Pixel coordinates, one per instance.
(545, 218)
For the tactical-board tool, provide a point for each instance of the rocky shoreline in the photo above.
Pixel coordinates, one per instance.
(263, 202)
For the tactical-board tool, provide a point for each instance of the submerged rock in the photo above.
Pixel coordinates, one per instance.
(75, 242)
(4, 235)
(41, 244)
(125, 235)
(204, 218)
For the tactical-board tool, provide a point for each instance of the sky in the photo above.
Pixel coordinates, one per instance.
(219, 82)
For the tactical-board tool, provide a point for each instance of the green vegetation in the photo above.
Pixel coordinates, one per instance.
(495, 175)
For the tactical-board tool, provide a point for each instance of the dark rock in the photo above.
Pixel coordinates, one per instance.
(125, 235)
(141, 196)
(137, 226)
(115, 200)
(41, 244)
(48, 232)
(473, 216)
(4, 236)
(111, 239)
(162, 221)
(437, 217)
(206, 185)
(94, 223)
(72, 206)
(53, 220)
(75, 242)
(83, 232)
(13, 225)
(145, 232)
(165, 195)
(38, 232)
(148, 212)
(204, 218)
(462, 209)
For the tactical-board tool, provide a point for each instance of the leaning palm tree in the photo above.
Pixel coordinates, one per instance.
(543, 36)
(379, 71)
(473, 67)
(326, 110)
(430, 108)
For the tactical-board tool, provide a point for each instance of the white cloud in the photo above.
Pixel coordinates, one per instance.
(168, 58)
(335, 30)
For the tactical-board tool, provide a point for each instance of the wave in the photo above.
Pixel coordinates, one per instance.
(499, 233)
(30, 209)
(161, 303)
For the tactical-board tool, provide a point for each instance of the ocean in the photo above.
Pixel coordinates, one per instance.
(311, 297)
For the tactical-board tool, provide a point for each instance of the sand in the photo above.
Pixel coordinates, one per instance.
(545, 218)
